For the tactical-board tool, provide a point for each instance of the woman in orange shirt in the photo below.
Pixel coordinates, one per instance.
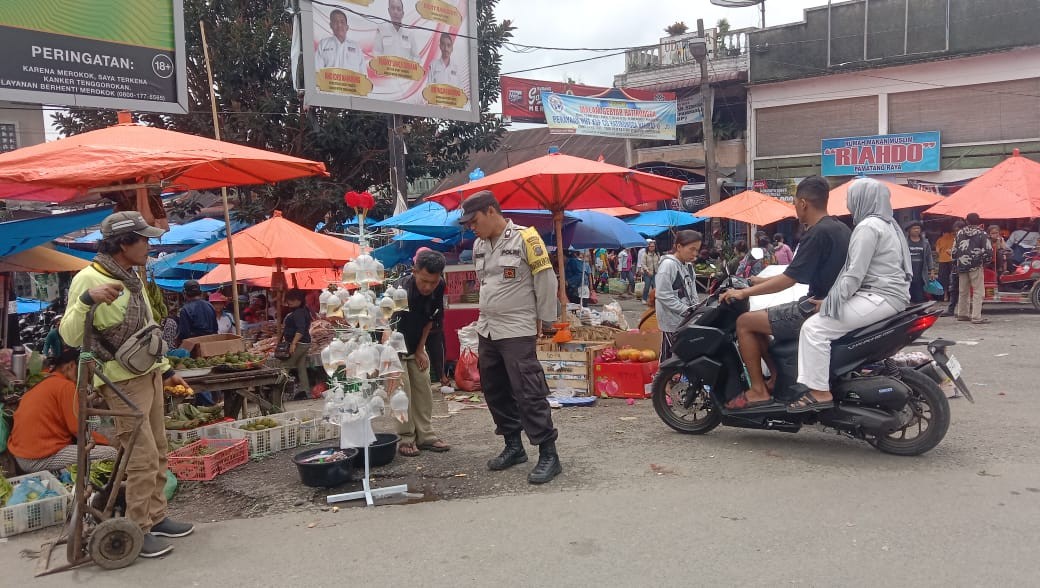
(46, 422)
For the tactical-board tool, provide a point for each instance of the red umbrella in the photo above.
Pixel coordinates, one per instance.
(902, 197)
(558, 182)
(129, 154)
(1010, 190)
(750, 207)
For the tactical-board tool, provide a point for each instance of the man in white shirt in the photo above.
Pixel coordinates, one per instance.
(443, 71)
(336, 51)
(394, 39)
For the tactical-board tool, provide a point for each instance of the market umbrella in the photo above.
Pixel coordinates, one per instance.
(615, 211)
(260, 276)
(125, 156)
(429, 218)
(41, 259)
(558, 182)
(280, 243)
(1010, 190)
(902, 197)
(594, 230)
(656, 222)
(750, 207)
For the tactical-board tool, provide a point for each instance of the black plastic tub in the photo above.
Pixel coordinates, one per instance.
(328, 474)
(380, 452)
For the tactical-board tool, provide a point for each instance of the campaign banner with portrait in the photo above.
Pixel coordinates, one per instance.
(881, 154)
(411, 57)
(522, 98)
(81, 54)
(603, 117)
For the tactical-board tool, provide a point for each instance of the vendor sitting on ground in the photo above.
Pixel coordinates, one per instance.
(46, 422)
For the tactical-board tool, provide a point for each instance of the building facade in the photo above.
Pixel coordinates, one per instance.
(966, 69)
(21, 125)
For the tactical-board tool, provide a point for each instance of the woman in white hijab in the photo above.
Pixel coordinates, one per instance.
(874, 285)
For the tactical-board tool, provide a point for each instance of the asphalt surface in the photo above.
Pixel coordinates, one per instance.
(655, 508)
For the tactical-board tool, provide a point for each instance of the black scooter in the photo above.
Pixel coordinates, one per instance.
(898, 410)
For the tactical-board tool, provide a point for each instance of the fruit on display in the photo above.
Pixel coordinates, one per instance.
(180, 391)
(241, 359)
(611, 355)
(186, 416)
(260, 425)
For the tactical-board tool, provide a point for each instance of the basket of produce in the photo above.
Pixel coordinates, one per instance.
(205, 459)
(313, 427)
(190, 423)
(32, 502)
(266, 435)
(238, 362)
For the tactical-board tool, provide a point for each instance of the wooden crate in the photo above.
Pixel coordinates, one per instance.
(569, 365)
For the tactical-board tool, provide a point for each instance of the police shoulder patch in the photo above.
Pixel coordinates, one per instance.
(537, 256)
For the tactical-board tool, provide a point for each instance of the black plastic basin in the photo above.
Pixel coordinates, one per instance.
(380, 452)
(328, 474)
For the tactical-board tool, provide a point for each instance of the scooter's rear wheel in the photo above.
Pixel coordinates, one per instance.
(683, 405)
(930, 420)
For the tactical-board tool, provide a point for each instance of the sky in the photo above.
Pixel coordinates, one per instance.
(589, 23)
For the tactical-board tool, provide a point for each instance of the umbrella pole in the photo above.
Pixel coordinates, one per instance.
(561, 288)
(223, 190)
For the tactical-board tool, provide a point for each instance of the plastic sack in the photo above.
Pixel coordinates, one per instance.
(468, 338)
(467, 374)
(30, 490)
(933, 287)
(614, 308)
(356, 433)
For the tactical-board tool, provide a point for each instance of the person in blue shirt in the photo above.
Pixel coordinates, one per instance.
(579, 277)
(197, 317)
(53, 344)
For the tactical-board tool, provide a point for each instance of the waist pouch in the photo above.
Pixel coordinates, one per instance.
(141, 350)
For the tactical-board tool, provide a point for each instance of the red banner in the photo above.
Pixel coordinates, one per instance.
(522, 101)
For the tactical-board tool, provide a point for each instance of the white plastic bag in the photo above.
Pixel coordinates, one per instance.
(468, 338)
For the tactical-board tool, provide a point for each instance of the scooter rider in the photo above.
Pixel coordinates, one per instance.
(817, 262)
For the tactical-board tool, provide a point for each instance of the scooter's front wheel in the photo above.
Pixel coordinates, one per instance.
(683, 405)
(929, 422)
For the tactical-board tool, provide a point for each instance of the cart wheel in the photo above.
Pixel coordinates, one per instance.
(115, 543)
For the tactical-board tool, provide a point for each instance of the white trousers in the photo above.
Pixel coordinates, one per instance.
(814, 342)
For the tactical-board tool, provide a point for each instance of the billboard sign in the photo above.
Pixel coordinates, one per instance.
(522, 98)
(124, 54)
(605, 117)
(881, 154)
(689, 109)
(415, 58)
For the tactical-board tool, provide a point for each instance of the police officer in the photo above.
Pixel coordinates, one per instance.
(517, 289)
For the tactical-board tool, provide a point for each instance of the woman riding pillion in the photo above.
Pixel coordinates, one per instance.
(874, 285)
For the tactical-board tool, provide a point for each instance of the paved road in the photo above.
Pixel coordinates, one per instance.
(660, 509)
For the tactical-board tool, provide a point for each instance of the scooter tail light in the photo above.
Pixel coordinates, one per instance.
(924, 323)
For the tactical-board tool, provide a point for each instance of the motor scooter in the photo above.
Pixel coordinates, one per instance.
(897, 410)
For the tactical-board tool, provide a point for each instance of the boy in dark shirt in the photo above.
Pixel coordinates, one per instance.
(425, 307)
(817, 262)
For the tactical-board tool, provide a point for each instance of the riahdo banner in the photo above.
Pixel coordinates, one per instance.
(881, 154)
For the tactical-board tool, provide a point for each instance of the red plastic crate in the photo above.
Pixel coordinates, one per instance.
(189, 463)
(624, 379)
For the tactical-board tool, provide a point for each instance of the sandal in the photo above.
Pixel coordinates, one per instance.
(437, 446)
(808, 403)
(408, 450)
(741, 402)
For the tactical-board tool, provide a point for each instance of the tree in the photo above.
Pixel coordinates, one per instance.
(250, 45)
(677, 28)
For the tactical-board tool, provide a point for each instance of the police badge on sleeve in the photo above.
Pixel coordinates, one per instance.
(537, 255)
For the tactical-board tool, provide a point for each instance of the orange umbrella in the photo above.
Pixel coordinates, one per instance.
(41, 259)
(260, 276)
(280, 243)
(750, 207)
(615, 211)
(558, 182)
(1010, 190)
(902, 197)
(73, 167)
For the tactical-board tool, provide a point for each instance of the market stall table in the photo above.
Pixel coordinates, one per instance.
(262, 386)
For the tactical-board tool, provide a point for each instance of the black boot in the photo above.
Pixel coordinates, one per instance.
(548, 466)
(513, 454)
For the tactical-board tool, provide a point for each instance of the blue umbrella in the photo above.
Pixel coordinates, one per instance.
(29, 305)
(192, 233)
(170, 266)
(429, 218)
(656, 222)
(596, 230)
